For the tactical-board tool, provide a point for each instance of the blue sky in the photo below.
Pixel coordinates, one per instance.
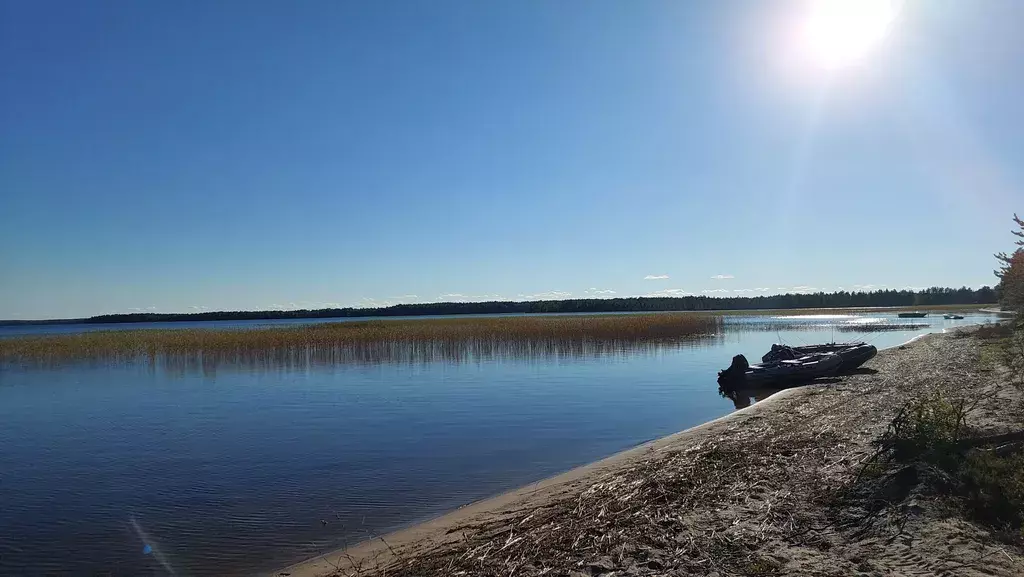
(181, 156)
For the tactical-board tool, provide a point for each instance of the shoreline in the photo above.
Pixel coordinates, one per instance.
(437, 531)
(370, 548)
(287, 317)
(438, 309)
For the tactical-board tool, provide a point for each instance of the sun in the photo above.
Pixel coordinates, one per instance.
(839, 33)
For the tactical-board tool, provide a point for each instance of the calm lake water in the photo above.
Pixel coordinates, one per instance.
(133, 470)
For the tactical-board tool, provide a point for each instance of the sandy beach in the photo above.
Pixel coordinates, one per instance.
(751, 493)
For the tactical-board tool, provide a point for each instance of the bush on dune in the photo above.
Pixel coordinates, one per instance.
(930, 448)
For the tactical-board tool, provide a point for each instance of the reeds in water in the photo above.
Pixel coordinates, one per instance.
(367, 342)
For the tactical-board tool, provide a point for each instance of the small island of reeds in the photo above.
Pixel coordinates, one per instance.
(366, 342)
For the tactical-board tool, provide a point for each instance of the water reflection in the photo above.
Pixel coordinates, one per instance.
(823, 323)
(419, 353)
(369, 353)
(743, 398)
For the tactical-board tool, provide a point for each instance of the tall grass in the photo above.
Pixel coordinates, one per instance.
(369, 342)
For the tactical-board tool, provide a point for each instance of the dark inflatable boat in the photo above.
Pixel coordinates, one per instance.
(852, 354)
(780, 373)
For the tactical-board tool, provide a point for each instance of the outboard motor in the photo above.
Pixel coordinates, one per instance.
(736, 373)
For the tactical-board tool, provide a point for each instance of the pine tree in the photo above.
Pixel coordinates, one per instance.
(1007, 259)
(1011, 272)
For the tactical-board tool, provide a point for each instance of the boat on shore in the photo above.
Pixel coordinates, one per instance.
(781, 373)
(912, 315)
(853, 354)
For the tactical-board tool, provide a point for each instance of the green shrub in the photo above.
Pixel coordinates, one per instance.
(994, 487)
(1013, 354)
(931, 434)
(928, 430)
(995, 331)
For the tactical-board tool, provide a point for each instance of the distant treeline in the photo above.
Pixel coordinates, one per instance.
(880, 298)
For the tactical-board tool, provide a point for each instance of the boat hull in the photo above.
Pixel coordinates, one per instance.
(779, 373)
(853, 354)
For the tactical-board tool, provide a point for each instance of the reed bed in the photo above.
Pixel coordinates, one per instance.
(369, 342)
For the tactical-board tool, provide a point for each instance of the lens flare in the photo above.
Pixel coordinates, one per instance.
(148, 549)
(838, 33)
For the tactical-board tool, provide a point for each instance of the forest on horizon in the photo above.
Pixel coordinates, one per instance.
(840, 299)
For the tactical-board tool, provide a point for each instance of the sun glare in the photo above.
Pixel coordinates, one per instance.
(841, 32)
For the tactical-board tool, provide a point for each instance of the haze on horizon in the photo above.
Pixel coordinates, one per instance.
(256, 155)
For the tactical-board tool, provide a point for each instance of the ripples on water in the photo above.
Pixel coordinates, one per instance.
(845, 323)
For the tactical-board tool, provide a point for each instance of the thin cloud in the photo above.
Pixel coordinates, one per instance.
(549, 295)
(656, 277)
(722, 277)
(598, 292)
(712, 291)
(676, 292)
(374, 303)
(461, 297)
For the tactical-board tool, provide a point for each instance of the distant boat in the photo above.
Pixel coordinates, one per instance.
(952, 317)
(912, 315)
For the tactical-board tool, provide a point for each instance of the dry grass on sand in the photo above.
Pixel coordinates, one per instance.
(770, 490)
